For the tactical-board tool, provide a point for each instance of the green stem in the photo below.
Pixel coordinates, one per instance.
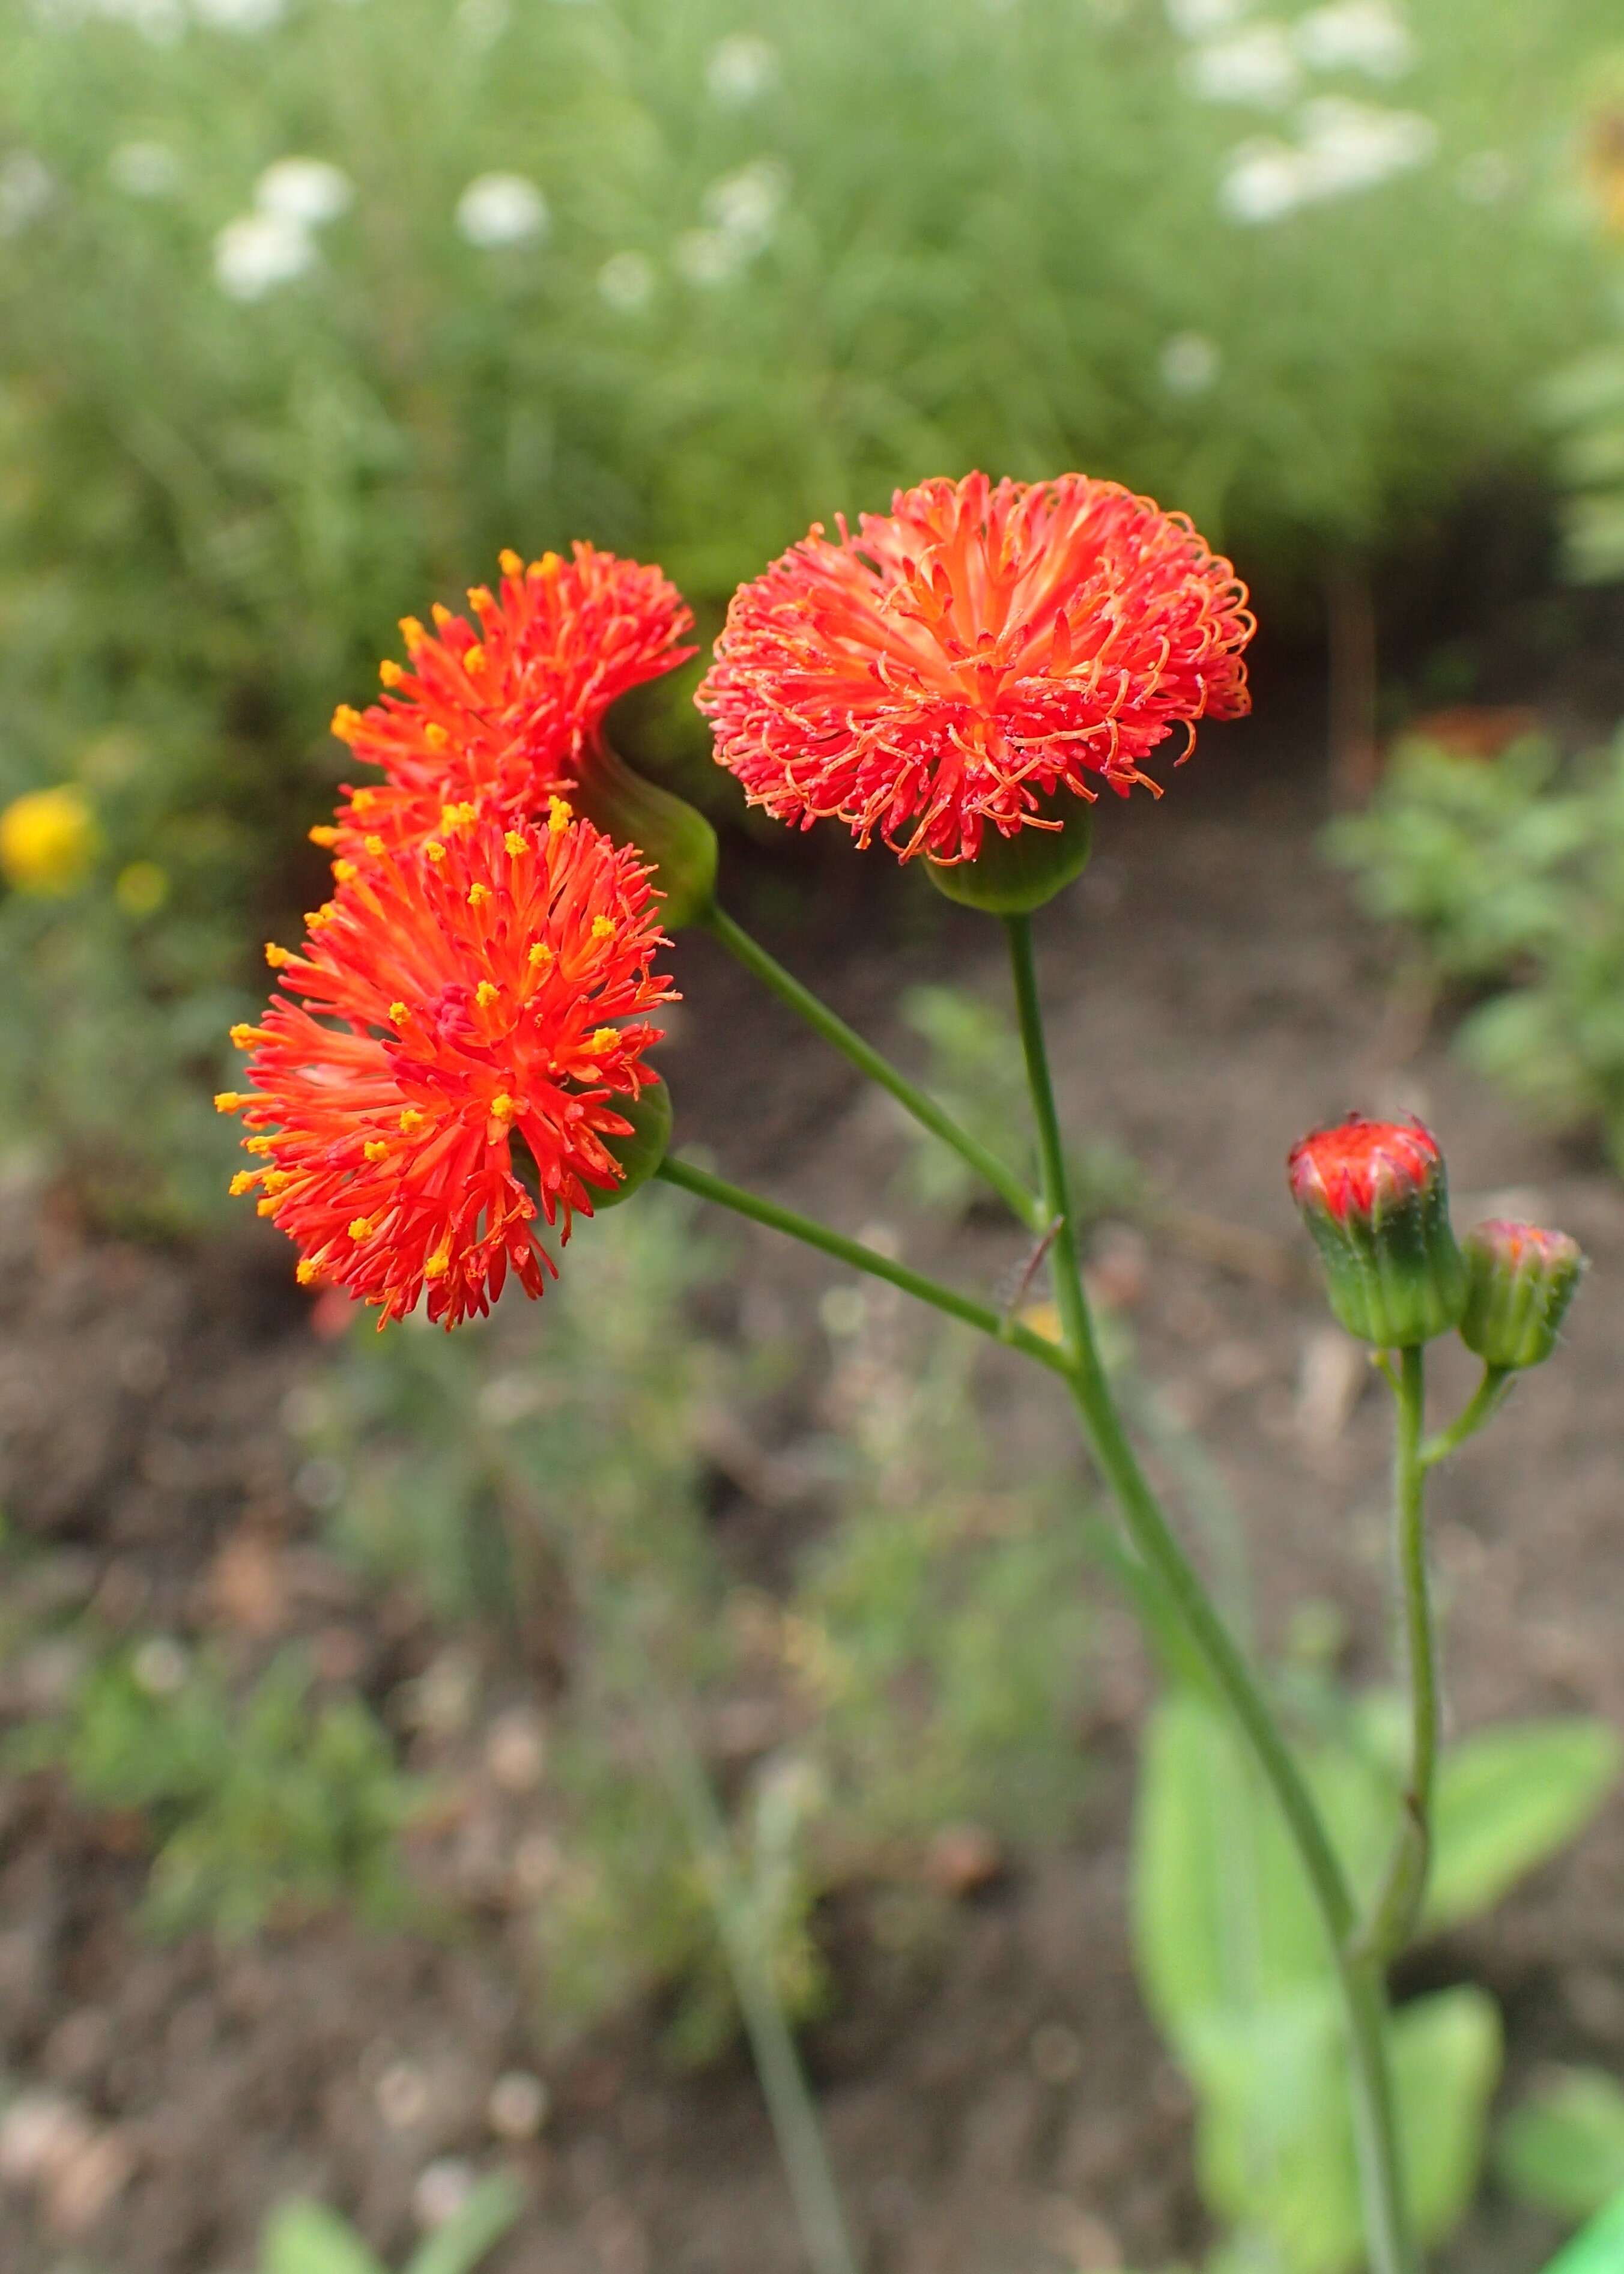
(979, 1316)
(791, 2108)
(868, 1060)
(1392, 2251)
(1483, 1403)
(1397, 1905)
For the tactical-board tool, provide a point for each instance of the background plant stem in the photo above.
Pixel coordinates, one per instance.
(1392, 2248)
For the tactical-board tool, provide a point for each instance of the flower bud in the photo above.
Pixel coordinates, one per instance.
(1013, 876)
(641, 1154)
(672, 836)
(1375, 1197)
(1519, 1283)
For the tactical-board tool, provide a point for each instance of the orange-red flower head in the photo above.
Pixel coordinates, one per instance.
(951, 664)
(448, 1000)
(500, 711)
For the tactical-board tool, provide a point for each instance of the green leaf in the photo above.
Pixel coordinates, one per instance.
(306, 2238)
(1446, 2064)
(1563, 2147)
(1598, 2250)
(458, 2246)
(1510, 1800)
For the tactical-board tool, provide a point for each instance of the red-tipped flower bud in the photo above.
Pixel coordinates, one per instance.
(1375, 1196)
(1519, 1283)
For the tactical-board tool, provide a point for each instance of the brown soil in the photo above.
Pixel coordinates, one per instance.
(1006, 2109)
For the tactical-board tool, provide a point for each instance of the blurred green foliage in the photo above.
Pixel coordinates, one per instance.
(302, 2237)
(265, 1808)
(1561, 2147)
(1234, 1965)
(681, 280)
(1509, 873)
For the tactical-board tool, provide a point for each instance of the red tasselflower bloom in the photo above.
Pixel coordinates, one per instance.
(981, 647)
(450, 999)
(1360, 1168)
(501, 712)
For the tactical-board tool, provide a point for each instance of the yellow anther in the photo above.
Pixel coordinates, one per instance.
(376, 1149)
(559, 814)
(412, 633)
(267, 1206)
(390, 671)
(477, 895)
(242, 1037)
(346, 722)
(361, 1227)
(603, 927)
(255, 1144)
(502, 1107)
(342, 871)
(361, 799)
(412, 1120)
(374, 846)
(473, 660)
(314, 918)
(548, 565)
(516, 842)
(605, 1039)
(277, 956)
(435, 851)
(244, 1181)
(277, 1180)
(540, 955)
(323, 834)
(227, 1101)
(305, 1272)
(456, 817)
(435, 735)
(437, 1264)
(509, 562)
(399, 1012)
(443, 615)
(485, 994)
(479, 599)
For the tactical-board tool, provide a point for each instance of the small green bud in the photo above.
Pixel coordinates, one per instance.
(1013, 876)
(672, 836)
(1519, 1283)
(641, 1153)
(1375, 1197)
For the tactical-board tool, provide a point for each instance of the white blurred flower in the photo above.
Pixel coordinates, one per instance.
(247, 18)
(254, 255)
(307, 191)
(1189, 364)
(1257, 66)
(1266, 180)
(498, 210)
(626, 281)
(1363, 35)
(745, 206)
(706, 257)
(26, 187)
(144, 170)
(1353, 146)
(1203, 19)
(1484, 178)
(741, 69)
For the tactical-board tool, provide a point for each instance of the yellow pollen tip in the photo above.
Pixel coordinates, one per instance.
(502, 1107)
(477, 895)
(227, 1101)
(242, 1035)
(509, 562)
(480, 597)
(322, 834)
(361, 1227)
(474, 659)
(277, 1180)
(411, 1121)
(305, 1272)
(373, 846)
(342, 871)
(487, 993)
(437, 1264)
(277, 956)
(244, 1181)
(540, 953)
(390, 671)
(267, 1206)
(399, 1012)
(412, 633)
(376, 1149)
(443, 615)
(605, 1039)
(559, 814)
(346, 722)
(315, 918)
(255, 1144)
(516, 843)
(548, 565)
(435, 851)
(435, 735)
(603, 927)
(362, 798)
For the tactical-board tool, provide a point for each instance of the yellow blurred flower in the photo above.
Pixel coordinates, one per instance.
(141, 889)
(1604, 164)
(48, 842)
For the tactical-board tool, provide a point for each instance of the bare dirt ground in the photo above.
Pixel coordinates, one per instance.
(1212, 995)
